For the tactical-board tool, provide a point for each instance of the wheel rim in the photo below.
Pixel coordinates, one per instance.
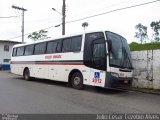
(76, 81)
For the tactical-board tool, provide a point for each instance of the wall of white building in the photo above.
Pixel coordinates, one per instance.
(146, 69)
(5, 54)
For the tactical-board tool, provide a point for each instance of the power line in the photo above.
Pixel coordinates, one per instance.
(115, 10)
(33, 31)
(133, 6)
(109, 6)
(8, 17)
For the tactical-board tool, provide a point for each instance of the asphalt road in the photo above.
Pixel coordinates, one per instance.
(43, 96)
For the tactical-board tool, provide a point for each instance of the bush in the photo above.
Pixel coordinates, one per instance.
(147, 46)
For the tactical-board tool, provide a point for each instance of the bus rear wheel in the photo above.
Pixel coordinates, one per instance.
(26, 74)
(77, 81)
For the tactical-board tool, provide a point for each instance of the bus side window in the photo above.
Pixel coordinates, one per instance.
(76, 43)
(29, 50)
(14, 52)
(40, 48)
(58, 46)
(20, 51)
(53, 47)
(36, 49)
(66, 45)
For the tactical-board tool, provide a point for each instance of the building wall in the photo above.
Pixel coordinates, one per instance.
(146, 69)
(5, 54)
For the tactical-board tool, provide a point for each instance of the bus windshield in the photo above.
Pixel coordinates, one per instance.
(119, 55)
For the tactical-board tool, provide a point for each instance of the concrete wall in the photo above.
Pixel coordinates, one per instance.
(146, 69)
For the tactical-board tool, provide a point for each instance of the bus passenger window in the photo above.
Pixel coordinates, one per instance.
(29, 50)
(40, 48)
(53, 47)
(76, 43)
(58, 46)
(14, 52)
(20, 51)
(66, 45)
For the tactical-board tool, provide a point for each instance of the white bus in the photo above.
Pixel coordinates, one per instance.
(99, 58)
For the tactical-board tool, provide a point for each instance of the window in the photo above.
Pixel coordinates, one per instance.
(14, 51)
(58, 49)
(29, 50)
(6, 48)
(120, 53)
(72, 44)
(40, 48)
(6, 60)
(116, 54)
(53, 47)
(95, 51)
(99, 50)
(20, 51)
(98, 55)
(66, 45)
(76, 43)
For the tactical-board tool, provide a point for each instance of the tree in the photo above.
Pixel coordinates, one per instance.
(155, 25)
(38, 35)
(141, 32)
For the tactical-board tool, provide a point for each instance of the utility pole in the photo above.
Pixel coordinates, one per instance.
(23, 10)
(63, 17)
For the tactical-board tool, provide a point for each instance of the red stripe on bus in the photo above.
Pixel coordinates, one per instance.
(49, 63)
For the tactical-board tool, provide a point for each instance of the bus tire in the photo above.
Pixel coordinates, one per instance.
(77, 81)
(26, 74)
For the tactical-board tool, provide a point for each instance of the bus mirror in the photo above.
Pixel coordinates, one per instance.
(109, 45)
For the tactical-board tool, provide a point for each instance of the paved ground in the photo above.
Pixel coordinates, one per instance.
(43, 96)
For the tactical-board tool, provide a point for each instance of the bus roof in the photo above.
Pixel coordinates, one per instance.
(64, 36)
(60, 37)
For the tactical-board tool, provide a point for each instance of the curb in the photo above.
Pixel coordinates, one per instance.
(144, 90)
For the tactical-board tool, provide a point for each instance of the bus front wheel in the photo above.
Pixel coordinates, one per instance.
(77, 81)
(26, 74)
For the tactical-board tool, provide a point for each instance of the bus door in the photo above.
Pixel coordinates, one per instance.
(98, 72)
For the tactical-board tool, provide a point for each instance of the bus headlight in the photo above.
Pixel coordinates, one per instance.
(114, 74)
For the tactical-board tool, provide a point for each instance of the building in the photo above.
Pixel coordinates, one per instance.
(5, 53)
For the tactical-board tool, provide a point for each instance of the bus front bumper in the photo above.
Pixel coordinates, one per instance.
(117, 82)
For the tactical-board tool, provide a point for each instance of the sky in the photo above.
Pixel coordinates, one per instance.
(39, 15)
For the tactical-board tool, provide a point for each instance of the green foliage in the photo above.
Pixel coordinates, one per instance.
(147, 46)
(38, 35)
(155, 25)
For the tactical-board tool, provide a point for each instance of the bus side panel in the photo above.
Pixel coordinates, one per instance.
(59, 73)
(40, 71)
(61, 67)
(16, 68)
